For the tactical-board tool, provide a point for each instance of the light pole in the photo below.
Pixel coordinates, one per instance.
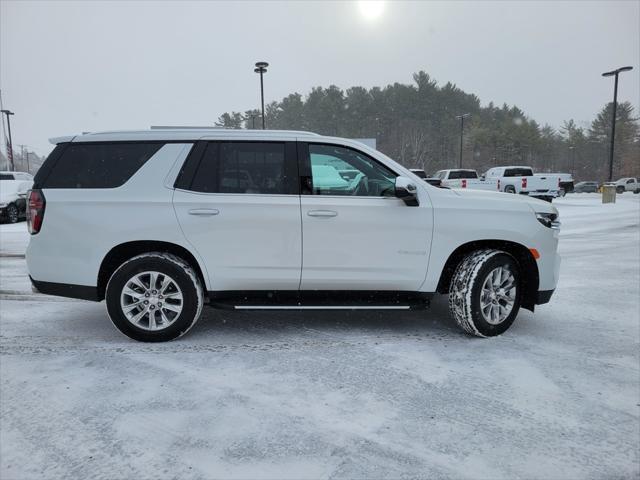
(10, 152)
(261, 68)
(462, 117)
(615, 107)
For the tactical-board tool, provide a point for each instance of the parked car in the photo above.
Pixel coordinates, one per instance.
(586, 187)
(515, 179)
(627, 185)
(160, 222)
(13, 193)
(464, 178)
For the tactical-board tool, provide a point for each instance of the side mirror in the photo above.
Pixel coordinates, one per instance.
(407, 191)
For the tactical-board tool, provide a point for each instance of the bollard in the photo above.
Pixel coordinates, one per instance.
(609, 193)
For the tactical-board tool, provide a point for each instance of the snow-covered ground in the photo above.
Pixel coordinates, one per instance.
(340, 395)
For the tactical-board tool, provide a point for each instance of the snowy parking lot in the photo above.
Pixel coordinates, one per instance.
(338, 394)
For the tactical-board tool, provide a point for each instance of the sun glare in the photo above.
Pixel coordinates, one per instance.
(371, 9)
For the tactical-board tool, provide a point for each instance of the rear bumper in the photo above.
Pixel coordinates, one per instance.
(82, 292)
(544, 296)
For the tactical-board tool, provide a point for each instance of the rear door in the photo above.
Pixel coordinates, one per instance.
(357, 234)
(239, 206)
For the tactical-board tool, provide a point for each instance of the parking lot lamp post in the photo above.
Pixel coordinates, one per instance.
(462, 117)
(614, 73)
(261, 68)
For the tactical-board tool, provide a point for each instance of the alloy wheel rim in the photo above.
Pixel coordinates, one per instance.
(13, 214)
(498, 295)
(151, 300)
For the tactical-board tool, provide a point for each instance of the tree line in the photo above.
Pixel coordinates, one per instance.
(416, 125)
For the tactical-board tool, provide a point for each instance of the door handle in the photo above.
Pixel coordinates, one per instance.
(322, 213)
(204, 212)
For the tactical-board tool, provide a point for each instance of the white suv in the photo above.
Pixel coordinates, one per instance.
(161, 222)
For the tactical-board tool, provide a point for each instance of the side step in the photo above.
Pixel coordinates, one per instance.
(319, 300)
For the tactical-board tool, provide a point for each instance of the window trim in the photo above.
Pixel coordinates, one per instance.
(187, 174)
(304, 162)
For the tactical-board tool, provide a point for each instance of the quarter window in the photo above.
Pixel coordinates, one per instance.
(339, 170)
(242, 167)
(98, 165)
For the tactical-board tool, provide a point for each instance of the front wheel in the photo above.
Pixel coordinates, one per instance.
(154, 297)
(485, 293)
(509, 189)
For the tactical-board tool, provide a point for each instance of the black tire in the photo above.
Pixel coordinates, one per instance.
(509, 189)
(180, 272)
(466, 289)
(12, 214)
(636, 191)
(620, 190)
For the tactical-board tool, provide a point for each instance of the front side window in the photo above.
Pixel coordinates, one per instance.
(339, 170)
(242, 167)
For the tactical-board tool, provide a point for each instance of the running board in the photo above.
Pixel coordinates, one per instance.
(319, 300)
(320, 307)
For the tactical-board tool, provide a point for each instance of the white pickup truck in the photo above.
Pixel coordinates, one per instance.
(464, 178)
(515, 179)
(628, 185)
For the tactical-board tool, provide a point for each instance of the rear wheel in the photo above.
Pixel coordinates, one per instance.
(154, 297)
(509, 189)
(485, 293)
(12, 213)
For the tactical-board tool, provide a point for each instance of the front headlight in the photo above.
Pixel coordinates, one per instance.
(549, 220)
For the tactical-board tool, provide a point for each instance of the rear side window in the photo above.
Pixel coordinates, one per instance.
(98, 165)
(243, 167)
(518, 172)
(462, 174)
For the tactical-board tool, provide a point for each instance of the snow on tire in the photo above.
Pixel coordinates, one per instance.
(485, 292)
(154, 297)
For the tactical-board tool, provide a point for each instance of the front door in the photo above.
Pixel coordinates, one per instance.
(241, 213)
(357, 234)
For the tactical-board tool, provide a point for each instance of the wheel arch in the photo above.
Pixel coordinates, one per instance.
(123, 252)
(530, 277)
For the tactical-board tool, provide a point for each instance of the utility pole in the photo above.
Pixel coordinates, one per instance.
(28, 167)
(462, 117)
(615, 107)
(10, 151)
(261, 68)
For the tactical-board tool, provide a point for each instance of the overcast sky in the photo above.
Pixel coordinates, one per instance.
(68, 67)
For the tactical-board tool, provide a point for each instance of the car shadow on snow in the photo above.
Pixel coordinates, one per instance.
(432, 321)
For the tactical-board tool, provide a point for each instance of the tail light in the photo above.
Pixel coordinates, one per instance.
(524, 182)
(464, 184)
(35, 211)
